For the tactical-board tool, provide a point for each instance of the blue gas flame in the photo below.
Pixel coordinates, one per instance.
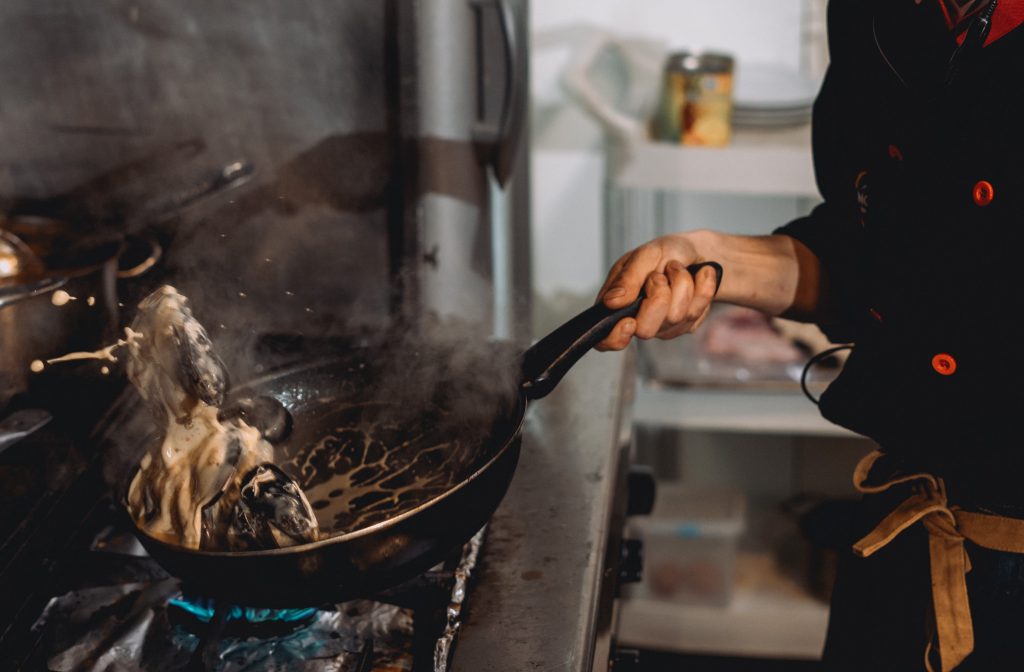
(203, 609)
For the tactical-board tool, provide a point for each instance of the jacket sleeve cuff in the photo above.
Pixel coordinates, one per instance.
(836, 241)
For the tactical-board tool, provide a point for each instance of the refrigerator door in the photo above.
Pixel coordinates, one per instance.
(470, 117)
(502, 83)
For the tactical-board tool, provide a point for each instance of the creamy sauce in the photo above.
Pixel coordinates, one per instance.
(106, 353)
(61, 298)
(189, 470)
(187, 486)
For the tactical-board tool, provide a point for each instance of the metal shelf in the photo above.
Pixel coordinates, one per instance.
(732, 410)
(766, 163)
(770, 615)
(754, 625)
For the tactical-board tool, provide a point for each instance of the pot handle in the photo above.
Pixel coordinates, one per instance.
(550, 358)
(9, 295)
(20, 424)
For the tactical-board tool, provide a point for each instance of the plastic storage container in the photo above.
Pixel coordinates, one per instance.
(690, 542)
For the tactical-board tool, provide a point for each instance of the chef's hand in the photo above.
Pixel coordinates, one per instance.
(676, 302)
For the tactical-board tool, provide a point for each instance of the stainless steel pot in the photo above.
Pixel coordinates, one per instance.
(33, 326)
(37, 322)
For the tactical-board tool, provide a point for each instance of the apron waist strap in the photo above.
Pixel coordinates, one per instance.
(947, 527)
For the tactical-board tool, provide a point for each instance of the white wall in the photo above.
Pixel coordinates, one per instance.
(567, 165)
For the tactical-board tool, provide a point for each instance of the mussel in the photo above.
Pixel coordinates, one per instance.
(272, 511)
(210, 482)
(266, 414)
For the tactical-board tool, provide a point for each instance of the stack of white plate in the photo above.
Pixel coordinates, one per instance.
(772, 96)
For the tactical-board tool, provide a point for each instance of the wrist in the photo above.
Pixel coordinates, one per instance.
(759, 272)
(706, 244)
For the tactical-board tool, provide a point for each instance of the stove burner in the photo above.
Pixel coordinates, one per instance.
(204, 609)
(117, 610)
(135, 627)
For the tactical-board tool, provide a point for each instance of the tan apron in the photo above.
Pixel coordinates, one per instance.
(947, 528)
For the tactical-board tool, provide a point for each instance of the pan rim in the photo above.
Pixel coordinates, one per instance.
(348, 536)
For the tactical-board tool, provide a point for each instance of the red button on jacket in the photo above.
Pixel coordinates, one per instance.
(944, 364)
(983, 193)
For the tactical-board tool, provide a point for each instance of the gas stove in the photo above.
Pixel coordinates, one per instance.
(537, 586)
(83, 594)
(116, 609)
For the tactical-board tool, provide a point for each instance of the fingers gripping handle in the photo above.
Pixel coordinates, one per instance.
(547, 362)
(695, 268)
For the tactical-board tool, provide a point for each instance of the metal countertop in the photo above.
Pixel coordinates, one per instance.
(534, 604)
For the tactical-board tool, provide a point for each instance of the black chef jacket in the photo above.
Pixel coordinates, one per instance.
(921, 240)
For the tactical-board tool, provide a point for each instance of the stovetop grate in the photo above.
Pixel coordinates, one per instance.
(115, 608)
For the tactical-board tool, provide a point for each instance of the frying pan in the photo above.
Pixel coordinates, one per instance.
(397, 488)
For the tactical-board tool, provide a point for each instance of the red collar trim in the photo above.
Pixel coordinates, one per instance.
(1008, 15)
(959, 12)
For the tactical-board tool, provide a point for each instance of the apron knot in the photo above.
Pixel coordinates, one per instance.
(947, 527)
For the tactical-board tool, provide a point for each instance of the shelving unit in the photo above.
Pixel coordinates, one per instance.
(779, 620)
(749, 411)
(644, 180)
(756, 163)
(756, 624)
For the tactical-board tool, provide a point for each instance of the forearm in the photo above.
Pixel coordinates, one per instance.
(774, 274)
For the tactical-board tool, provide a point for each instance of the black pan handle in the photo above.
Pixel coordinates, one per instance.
(550, 358)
